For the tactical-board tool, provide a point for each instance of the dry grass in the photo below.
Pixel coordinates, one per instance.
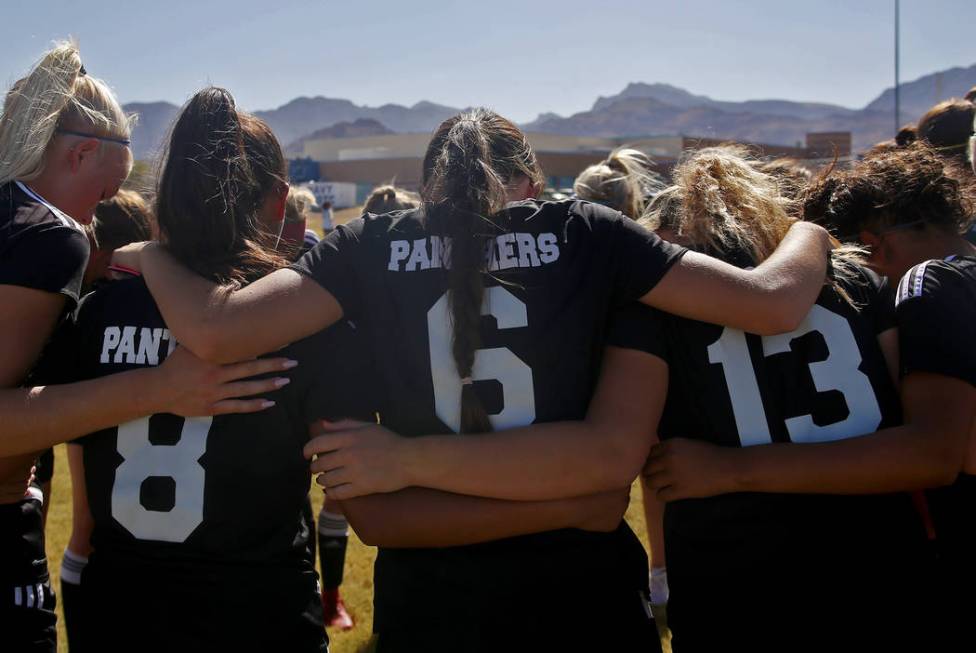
(357, 588)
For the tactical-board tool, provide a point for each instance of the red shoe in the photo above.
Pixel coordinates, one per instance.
(334, 611)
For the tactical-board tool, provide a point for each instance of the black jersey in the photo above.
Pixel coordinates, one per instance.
(41, 247)
(781, 557)
(936, 312)
(207, 511)
(555, 271)
(827, 380)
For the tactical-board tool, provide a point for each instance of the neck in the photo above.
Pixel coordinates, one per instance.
(947, 244)
(50, 185)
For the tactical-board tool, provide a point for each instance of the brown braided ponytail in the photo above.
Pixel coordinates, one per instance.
(470, 162)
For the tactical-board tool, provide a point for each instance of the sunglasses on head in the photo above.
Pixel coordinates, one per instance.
(110, 139)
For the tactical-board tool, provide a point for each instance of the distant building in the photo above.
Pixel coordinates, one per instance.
(368, 161)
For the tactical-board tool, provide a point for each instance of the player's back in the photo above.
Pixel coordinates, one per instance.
(554, 272)
(206, 511)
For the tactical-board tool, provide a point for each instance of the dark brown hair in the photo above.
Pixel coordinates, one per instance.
(947, 127)
(970, 95)
(388, 198)
(220, 166)
(123, 219)
(906, 135)
(471, 160)
(909, 187)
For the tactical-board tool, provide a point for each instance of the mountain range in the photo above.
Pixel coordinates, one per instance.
(639, 110)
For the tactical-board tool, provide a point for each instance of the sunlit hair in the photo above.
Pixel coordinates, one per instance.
(388, 198)
(623, 181)
(472, 161)
(664, 210)
(906, 188)
(56, 94)
(300, 200)
(220, 166)
(906, 135)
(792, 178)
(731, 208)
(125, 218)
(947, 127)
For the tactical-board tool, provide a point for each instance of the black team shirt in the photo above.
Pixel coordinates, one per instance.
(825, 381)
(556, 270)
(41, 248)
(206, 511)
(936, 312)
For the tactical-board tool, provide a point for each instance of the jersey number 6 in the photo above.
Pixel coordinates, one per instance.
(498, 363)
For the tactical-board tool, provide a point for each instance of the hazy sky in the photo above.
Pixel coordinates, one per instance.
(521, 57)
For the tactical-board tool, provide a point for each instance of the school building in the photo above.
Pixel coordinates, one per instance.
(368, 161)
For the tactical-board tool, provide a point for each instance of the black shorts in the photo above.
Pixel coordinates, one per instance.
(196, 611)
(579, 622)
(27, 618)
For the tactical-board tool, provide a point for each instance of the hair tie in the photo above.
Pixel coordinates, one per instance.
(82, 71)
(467, 381)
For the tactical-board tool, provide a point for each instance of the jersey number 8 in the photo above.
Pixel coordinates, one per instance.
(178, 462)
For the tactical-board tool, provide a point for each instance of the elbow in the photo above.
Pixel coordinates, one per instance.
(783, 311)
(208, 345)
(623, 462)
(945, 468)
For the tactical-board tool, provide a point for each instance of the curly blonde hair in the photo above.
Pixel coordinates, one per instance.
(723, 203)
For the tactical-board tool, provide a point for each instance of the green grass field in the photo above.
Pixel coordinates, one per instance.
(357, 588)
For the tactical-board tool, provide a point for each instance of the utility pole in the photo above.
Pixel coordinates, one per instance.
(897, 66)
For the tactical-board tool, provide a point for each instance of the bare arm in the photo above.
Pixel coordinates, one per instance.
(928, 451)
(602, 452)
(770, 299)
(418, 517)
(39, 417)
(224, 325)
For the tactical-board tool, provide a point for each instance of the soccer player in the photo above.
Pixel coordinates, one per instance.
(63, 148)
(905, 206)
(766, 554)
(207, 512)
(547, 276)
(120, 220)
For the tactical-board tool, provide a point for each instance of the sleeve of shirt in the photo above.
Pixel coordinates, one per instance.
(641, 260)
(639, 327)
(935, 319)
(330, 264)
(49, 257)
(60, 360)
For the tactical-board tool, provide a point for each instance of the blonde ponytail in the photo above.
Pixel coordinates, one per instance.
(56, 93)
(622, 181)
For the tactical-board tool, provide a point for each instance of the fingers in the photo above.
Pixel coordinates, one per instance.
(340, 492)
(251, 388)
(228, 406)
(334, 478)
(328, 462)
(328, 442)
(256, 367)
(342, 425)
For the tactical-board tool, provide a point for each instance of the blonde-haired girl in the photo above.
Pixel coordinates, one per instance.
(64, 146)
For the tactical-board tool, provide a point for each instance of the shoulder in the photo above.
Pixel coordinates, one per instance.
(114, 299)
(933, 279)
